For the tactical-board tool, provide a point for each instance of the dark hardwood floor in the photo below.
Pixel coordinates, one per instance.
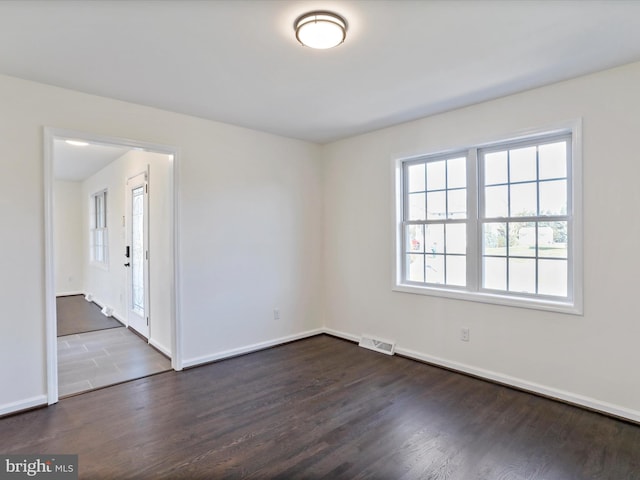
(324, 408)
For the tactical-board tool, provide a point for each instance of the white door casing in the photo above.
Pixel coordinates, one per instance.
(50, 135)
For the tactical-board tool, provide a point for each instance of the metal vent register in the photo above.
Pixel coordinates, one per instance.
(377, 344)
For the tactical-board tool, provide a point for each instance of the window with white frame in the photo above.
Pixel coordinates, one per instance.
(436, 220)
(99, 248)
(494, 223)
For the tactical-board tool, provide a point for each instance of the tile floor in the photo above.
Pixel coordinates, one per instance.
(96, 359)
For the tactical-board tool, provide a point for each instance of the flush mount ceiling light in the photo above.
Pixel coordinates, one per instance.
(320, 29)
(77, 143)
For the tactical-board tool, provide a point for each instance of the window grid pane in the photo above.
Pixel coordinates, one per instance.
(436, 205)
(524, 220)
(534, 190)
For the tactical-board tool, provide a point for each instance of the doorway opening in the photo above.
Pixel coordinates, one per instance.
(111, 243)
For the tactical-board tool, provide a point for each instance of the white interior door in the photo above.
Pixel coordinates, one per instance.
(137, 252)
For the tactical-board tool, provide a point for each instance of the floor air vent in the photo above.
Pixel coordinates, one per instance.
(383, 346)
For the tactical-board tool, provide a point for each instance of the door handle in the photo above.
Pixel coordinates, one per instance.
(127, 264)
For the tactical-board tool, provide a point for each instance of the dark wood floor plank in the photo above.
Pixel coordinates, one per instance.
(324, 408)
(76, 315)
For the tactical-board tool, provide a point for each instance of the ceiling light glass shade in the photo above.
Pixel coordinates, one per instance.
(77, 143)
(321, 30)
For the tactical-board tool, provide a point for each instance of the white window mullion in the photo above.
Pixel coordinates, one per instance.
(403, 223)
(473, 230)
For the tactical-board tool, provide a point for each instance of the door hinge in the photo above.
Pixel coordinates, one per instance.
(146, 255)
(147, 321)
(146, 188)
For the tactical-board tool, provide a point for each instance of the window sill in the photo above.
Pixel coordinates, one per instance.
(572, 308)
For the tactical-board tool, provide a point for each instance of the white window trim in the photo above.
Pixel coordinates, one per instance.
(575, 304)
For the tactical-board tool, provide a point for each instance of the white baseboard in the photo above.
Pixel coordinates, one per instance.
(165, 351)
(120, 318)
(94, 299)
(114, 314)
(338, 333)
(40, 400)
(568, 397)
(192, 362)
(69, 294)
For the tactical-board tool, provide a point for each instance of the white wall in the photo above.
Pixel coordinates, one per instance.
(593, 358)
(258, 243)
(68, 245)
(250, 228)
(109, 285)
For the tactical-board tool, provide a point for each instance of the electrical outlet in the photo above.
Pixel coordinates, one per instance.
(464, 334)
(276, 314)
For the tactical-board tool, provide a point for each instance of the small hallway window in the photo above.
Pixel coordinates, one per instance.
(99, 248)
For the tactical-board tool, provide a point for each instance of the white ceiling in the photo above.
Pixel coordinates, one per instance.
(238, 61)
(74, 163)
